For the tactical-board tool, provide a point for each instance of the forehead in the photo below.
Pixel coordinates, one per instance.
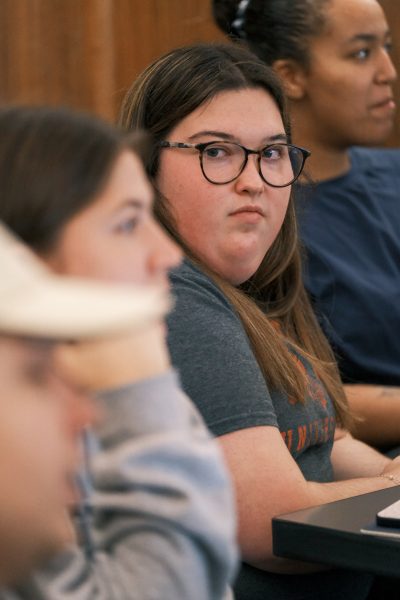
(128, 168)
(345, 19)
(249, 112)
(127, 181)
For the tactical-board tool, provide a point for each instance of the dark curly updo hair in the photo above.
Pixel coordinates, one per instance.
(273, 29)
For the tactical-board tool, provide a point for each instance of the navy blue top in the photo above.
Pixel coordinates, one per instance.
(351, 229)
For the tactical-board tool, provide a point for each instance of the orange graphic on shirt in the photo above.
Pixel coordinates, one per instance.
(313, 433)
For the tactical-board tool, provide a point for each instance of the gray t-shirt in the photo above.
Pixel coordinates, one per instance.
(221, 375)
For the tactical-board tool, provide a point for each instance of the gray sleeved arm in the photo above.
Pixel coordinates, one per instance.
(163, 523)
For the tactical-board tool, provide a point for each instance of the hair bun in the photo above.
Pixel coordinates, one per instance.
(224, 13)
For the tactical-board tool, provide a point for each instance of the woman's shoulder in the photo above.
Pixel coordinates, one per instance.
(211, 350)
(203, 315)
(191, 285)
(375, 158)
(188, 273)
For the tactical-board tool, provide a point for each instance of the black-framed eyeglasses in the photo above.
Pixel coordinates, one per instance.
(279, 164)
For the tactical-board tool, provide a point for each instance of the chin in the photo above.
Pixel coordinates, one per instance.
(237, 266)
(239, 276)
(376, 135)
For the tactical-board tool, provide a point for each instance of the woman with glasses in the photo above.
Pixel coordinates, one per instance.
(334, 59)
(242, 334)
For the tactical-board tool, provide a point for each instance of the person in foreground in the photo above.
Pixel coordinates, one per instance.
(158, 521)
(242, 334)
(333, 57)
(43, 413)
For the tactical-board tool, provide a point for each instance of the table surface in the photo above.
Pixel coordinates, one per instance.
(330, 534)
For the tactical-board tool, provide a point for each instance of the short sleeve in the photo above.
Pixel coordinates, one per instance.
(210, 349)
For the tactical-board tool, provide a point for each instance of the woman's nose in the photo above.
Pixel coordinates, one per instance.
(166, 254)
(387, 72)
(250, 180)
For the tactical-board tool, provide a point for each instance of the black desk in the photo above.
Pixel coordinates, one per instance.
(330, 534)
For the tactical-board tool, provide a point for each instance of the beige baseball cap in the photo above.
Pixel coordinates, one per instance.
(35, 302)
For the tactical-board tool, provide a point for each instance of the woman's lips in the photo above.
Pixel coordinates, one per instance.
(250, 214)
(385, 105)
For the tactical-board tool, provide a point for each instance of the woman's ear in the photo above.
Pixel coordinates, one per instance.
(292, 76)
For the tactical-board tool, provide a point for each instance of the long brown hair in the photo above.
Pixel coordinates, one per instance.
(164, 94)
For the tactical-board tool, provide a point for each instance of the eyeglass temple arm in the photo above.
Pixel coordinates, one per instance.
(175, 145)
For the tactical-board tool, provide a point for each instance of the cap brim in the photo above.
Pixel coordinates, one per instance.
(66, 308)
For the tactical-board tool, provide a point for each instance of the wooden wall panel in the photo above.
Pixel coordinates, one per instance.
(392, 11)
(57, 52)
(145, 30)
(85, 53)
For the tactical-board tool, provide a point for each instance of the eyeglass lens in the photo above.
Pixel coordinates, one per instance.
(280, 164)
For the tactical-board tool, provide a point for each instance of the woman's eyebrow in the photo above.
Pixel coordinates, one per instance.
(281, 137)
(135, 203)
(369, 38)
(278, 137)
(219, 134)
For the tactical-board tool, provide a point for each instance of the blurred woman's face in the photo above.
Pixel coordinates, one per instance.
(116, 237)
(229, 226)
(41, 419)
(348, 94)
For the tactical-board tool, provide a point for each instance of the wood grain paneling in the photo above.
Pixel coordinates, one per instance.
(392, 11)
(85, 53)
(145, 30)
(57, 52)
